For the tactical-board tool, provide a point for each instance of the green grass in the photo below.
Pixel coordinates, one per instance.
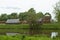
(27, 37)
(14, 25)
(17, 28)
(51, 25)
(13, 28)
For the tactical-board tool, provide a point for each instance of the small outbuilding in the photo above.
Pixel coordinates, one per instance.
(12, 21)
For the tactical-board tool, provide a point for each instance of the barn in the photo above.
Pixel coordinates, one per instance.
(12, 21)
(47, 19)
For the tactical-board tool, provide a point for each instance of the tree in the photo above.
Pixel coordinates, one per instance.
(32, 19)
(39, 15)
(3, 17)
(57, 11)
(23, 16)
(9, 16)
(31, 15)
(13, 16)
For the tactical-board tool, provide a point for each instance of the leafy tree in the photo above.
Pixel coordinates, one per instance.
(57, 11)
(9, 16)
(39, 15)
(31, 15)
(3, 17)
(13, 16)
(22, 16)
(32, 19)
(47, 13)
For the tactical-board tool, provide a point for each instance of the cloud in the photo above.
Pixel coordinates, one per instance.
(9, 8)
(24, 5)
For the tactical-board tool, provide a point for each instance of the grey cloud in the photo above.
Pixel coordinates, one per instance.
(10, 8)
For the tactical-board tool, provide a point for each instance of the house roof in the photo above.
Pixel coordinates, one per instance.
(47, 15)
(12, 21)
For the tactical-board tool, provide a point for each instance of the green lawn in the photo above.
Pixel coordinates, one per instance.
(51, 25)
(20, 37)
(13, 28)
(17, 28)
(14, 25)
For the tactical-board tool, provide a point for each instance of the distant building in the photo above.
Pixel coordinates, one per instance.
(47, 19)
(12, 21)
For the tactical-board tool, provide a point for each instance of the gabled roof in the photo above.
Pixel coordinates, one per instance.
(13, 21)
(47, 15)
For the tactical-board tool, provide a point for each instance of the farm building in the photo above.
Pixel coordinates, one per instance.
(47, 19)
(12, 21)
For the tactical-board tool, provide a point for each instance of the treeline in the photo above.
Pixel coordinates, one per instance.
(30, 14)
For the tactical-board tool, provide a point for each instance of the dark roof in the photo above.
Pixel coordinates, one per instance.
(13, 21)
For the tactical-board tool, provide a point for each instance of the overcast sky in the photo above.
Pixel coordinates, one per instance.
(8, 6)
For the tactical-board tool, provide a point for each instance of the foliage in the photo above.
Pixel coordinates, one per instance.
(14, 16)
(39, 15)
(23, 16)
(31, 14)
(57, 11)
(3, 17)
(32, 19)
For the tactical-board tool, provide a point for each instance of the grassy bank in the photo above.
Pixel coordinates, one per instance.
(51, 25)
(20, 37)
(13, 28)
(48, 28)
